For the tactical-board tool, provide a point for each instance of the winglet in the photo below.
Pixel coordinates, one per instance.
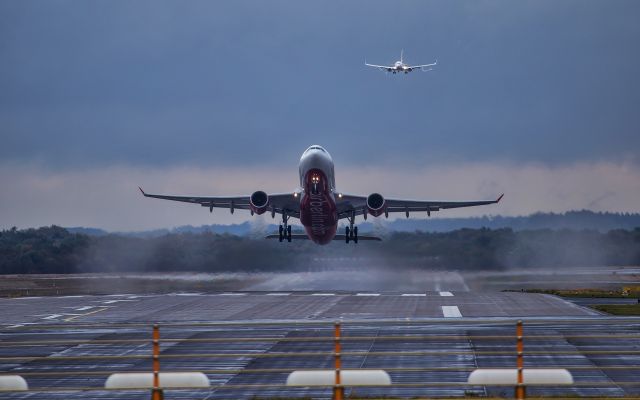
(500, 198)
(142, 191)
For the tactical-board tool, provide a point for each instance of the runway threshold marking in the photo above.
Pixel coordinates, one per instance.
(451, 312)
(114, 301)
(446, 294)
(85, 314)
(414, 295)
(53, 316)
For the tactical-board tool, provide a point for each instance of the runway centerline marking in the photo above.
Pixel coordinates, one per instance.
(278, 294)
(323, 294)
(84, 315)
(368, 294)
(114, 301)
(451, 312)
(53, 316)
(233, 294)
(414, 295)
(446, 294)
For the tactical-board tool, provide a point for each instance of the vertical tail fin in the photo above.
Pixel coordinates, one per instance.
(401, 54)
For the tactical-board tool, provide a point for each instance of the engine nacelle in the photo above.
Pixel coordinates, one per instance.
(376, 204)
(258, 202)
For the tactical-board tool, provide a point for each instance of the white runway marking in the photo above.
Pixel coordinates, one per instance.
(114, 301)
(233, 294)
(368, 294)
(278, 294)
(323, 294)
(451, 312)
(446, 294)
(85, 308)
(414, 295)
(53, 316)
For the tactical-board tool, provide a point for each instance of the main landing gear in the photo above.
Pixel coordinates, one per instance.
(351, 231)
(285, 228)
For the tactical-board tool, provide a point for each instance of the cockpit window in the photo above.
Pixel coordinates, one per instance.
(316, 148)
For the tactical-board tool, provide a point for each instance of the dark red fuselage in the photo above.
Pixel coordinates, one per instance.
(318, 212)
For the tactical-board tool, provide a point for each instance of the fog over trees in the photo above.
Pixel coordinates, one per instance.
(56, 250)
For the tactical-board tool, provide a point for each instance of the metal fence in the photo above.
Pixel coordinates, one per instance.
(425, 358)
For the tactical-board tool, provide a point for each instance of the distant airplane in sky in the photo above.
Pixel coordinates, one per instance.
(319, 204)
(400, 66)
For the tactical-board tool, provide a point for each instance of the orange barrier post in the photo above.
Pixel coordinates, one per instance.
(338, 390)
(156, 392)
(520, 388)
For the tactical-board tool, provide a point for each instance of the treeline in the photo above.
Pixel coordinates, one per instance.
(55, 250)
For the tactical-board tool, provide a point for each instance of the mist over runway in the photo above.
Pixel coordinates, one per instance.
(357, 279)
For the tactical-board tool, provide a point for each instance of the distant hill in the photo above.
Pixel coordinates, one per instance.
(87, 231)
(575, 220)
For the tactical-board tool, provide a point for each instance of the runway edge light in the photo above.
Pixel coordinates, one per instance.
(509, 376)
(13, 382)
(169, 380)
(360, 377)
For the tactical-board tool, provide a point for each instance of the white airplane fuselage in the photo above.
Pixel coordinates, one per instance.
(399, 66)
(318, 213)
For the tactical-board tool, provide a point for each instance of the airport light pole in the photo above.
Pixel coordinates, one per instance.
(520, 389)
(338, 390)
(156, 392)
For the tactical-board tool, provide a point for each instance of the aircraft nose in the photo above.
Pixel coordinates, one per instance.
(316, 155)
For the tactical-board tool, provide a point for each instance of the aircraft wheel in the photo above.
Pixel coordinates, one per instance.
(289, 233)
(281, 231)
(355, 234)
(346, 234)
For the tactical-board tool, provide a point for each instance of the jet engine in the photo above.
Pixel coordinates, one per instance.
(258, 202)
(375, 204)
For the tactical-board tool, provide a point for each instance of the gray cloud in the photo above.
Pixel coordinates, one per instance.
(162, 83)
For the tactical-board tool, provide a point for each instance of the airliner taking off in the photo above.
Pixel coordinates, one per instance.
(319, 204)
(400, 66)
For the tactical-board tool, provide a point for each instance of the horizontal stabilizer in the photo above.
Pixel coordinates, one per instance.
(360, 237)
(294, 236)
(298, 236)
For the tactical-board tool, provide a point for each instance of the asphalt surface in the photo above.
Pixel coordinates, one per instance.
(428, 341)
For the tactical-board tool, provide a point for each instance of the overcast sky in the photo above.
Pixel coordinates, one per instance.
(218, 97)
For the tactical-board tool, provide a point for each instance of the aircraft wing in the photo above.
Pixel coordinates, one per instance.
(382, 67)
(349, 204)
(278, 203)
(423, 66)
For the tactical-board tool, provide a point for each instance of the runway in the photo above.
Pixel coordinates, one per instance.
(250, 306)
(428, 341)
